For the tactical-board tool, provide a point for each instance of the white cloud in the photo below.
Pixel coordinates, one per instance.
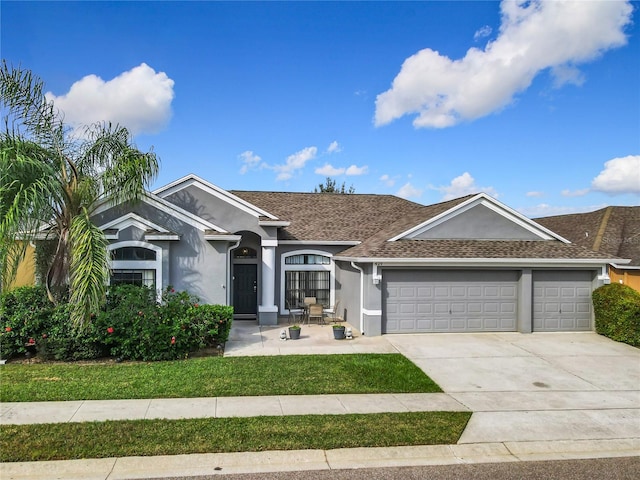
(534, 36)
(574, 193)
(329, 170)
(408, 191)
(535, 194)
(295, 162)
(139, 99)
(250, 161)
(387, 180)
(354, 170)
(463, 185)
(620, 175)
(482, 32)
(334, 147)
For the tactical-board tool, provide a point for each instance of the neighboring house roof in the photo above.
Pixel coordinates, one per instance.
(612, 231)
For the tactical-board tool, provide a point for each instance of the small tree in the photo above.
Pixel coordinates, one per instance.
(330, 187)
(51, 182)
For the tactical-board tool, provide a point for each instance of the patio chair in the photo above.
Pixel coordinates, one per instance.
(306, 303)
(294, 314)
(334, 313)
(316, 311)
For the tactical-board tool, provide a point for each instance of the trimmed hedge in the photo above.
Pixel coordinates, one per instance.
(132, 325)
(617, 313)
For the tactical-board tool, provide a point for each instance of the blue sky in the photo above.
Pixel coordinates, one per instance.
(535, 103)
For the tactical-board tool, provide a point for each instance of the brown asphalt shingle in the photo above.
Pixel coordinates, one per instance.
(372, 220)
(620, 234)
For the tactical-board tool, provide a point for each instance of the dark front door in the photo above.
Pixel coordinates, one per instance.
(245, 289)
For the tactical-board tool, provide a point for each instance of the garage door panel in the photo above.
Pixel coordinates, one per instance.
(458, 292)
(425, 308)
(407, 308)
(425, 292)
(452, 301)
(562, 301)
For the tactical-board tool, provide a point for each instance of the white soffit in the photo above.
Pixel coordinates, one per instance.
(211, 189)
(492, 204)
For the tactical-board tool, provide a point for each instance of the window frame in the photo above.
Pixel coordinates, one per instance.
(284, 267)
(138, 264)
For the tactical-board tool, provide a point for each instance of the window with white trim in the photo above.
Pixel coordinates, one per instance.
(137, 263)
(307, 274)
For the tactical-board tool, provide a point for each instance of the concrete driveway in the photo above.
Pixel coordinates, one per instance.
(534, 387)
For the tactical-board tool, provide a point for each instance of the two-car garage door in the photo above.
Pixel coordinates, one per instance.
(423, 301)
(419, 301)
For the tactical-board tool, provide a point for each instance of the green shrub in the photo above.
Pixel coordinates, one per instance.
(131, 325)
(25, 313)
(617, 313)
(135, 327)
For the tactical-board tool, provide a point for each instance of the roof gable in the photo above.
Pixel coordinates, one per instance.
(132, 219)
(480, 217)
(192, 180)
(168, 208)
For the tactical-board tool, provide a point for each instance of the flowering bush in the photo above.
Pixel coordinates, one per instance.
(131, 325)
(24, 313)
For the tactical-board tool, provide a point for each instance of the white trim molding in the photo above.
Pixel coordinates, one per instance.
(486, 201)
(331, 268)
(139, 264)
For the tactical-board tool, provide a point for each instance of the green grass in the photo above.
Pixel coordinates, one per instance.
(214, 377)
(19, 443)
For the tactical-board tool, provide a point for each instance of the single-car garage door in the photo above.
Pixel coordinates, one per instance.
(562, 301)
(420, 301)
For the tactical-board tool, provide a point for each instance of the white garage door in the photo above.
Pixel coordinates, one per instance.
(562, 301)
(421, 301)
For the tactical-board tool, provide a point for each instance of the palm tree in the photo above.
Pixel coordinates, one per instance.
(51, 180)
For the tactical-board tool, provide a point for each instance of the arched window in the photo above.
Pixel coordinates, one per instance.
(137, 263)
(307, 274)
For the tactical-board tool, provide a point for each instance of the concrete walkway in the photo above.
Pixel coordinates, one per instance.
(534, 397)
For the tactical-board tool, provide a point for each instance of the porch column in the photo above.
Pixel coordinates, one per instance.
(267, 310)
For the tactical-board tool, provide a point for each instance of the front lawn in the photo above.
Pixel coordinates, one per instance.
(214, 377)
(64, 441)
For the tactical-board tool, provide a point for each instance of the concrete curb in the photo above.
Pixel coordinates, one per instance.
(127, 468)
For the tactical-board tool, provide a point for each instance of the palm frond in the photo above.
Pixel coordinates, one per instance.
(88, 269)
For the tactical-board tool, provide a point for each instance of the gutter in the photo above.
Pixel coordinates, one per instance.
(361, 315)
(484, 262)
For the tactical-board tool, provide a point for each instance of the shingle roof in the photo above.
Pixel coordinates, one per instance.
(613, 230)
(472, 249)
(372, 220)
(346, 217)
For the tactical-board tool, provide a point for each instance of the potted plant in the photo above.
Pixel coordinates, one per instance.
(338, 331)
(294, 332)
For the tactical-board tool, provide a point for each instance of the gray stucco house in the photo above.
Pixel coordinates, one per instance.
(391, 265)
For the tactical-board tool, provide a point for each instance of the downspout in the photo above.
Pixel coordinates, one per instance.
(361, 319)
(229, 280)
